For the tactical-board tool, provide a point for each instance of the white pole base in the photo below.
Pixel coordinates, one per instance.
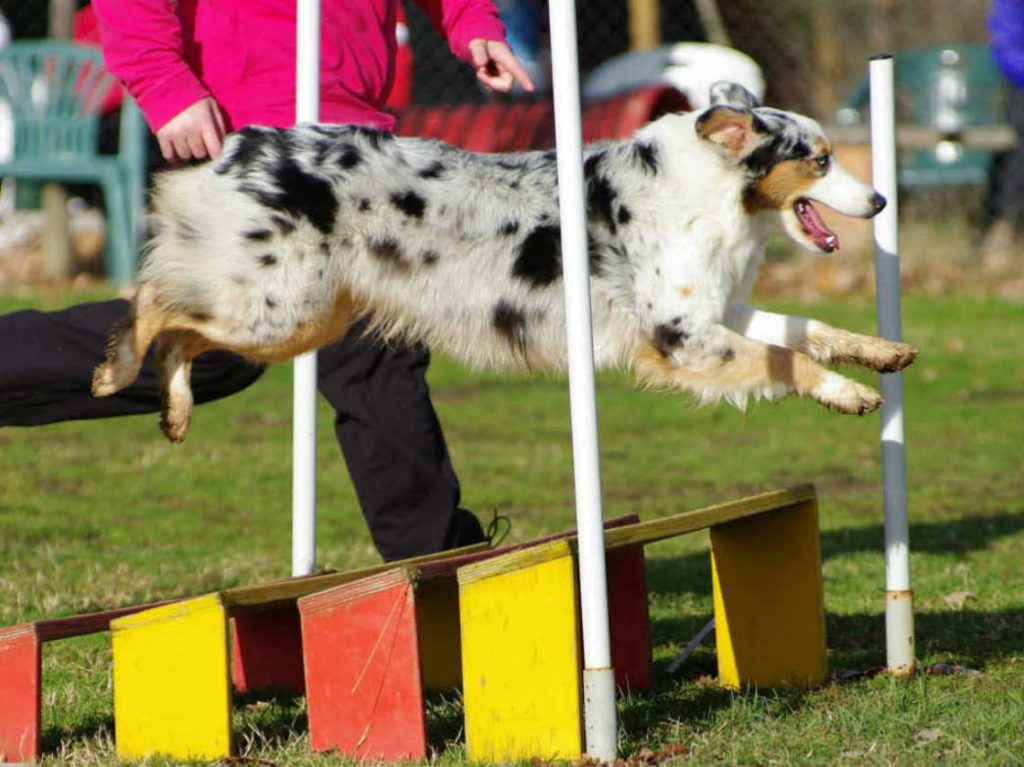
(599, 726)
(899, 632)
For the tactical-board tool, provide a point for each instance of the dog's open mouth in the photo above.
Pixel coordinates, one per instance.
(814, 227)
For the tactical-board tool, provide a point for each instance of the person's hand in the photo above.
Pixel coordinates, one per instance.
(194, 133)
(497, 67)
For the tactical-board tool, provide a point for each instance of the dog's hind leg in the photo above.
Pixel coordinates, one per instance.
(721, 364)
(820, 341)
(175, 351)
(129, 339)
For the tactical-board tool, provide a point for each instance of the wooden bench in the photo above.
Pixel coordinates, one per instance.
(372, 646)
(521, 653)
(173, 666)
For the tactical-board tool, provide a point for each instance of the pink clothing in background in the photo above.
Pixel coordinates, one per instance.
(242, 52)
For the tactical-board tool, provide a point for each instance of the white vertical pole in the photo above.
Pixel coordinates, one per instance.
(899, 607)
(598, 675)
(307, 109)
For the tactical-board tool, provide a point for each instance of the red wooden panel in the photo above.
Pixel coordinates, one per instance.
(267, 651)
(628, 616)
(20, 659)
(364, 688)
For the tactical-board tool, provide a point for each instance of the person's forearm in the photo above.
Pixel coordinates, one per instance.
(142, 47)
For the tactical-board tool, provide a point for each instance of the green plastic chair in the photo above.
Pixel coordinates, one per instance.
(948, 88)
(55, 90)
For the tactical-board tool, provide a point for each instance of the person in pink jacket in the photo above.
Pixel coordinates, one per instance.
(201, 68)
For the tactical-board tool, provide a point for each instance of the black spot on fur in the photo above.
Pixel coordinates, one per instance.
(325, 248)
(600, 197)
(259, 235)
(410, 203)
(540, 257)
(590, 165)
(434, 170)
(244, 150)
(387, 250)
(364, 205)
(727, 355)
(431, 257)
(666, 338)
(375, 138)
(647, 156)
(284, 226)
(267, 259)
(625, 216)
(509, 228)
(510, 322)
(270, 302)
(199, 316)
(350, 158)
(303, 194)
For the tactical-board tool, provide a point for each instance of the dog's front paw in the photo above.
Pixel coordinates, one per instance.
(882, 355)
(846, 396)
(175, 426)
(899, 356)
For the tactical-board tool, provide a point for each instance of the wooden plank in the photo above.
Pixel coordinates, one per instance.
(690, 521)
(88, 623)
(769, 611)
(520, 656)
(448, 567)
(20, 690)
(265, 594)
(172, 693)
(995, 138)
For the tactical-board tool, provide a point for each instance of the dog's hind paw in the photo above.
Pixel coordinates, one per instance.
(104, 382)
(846, 396)
(174, 429)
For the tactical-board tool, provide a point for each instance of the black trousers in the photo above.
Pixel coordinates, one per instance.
(385, 422)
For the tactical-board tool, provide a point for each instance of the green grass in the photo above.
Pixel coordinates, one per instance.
(105, 513)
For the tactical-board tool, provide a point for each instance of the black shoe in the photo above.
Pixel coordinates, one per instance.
(466, 530)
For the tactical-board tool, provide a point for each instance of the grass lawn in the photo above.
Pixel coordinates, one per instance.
(107, 513)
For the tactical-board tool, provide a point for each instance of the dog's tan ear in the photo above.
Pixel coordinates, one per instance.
(736, 131)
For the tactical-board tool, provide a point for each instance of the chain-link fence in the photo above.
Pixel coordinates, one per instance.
(813, 52)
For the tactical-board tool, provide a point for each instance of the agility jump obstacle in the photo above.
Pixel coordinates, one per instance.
(364, 644)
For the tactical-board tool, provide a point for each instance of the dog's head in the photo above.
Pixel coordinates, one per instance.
(789, 165)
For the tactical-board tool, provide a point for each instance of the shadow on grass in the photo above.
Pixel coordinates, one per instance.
(54, 738)
(692, 573)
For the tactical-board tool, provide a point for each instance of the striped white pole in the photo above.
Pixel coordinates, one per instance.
(899, 606)
(598, 675)
(307, 109)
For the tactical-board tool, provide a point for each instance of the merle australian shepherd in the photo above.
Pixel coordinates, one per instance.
(291, 235)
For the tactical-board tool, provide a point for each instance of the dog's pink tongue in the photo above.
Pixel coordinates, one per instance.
(823, 237)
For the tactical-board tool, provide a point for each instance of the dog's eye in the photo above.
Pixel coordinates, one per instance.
(822, 163)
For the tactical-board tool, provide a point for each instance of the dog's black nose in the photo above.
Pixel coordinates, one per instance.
(879, 202)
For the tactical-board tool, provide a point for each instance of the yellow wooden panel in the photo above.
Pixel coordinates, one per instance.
(769, 613)
(520, 656)
(172, 692)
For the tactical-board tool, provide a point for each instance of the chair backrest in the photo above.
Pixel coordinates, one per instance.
(950, 87)
(55, 91)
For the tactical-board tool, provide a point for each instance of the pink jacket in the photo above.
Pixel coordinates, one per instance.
(242, 52)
